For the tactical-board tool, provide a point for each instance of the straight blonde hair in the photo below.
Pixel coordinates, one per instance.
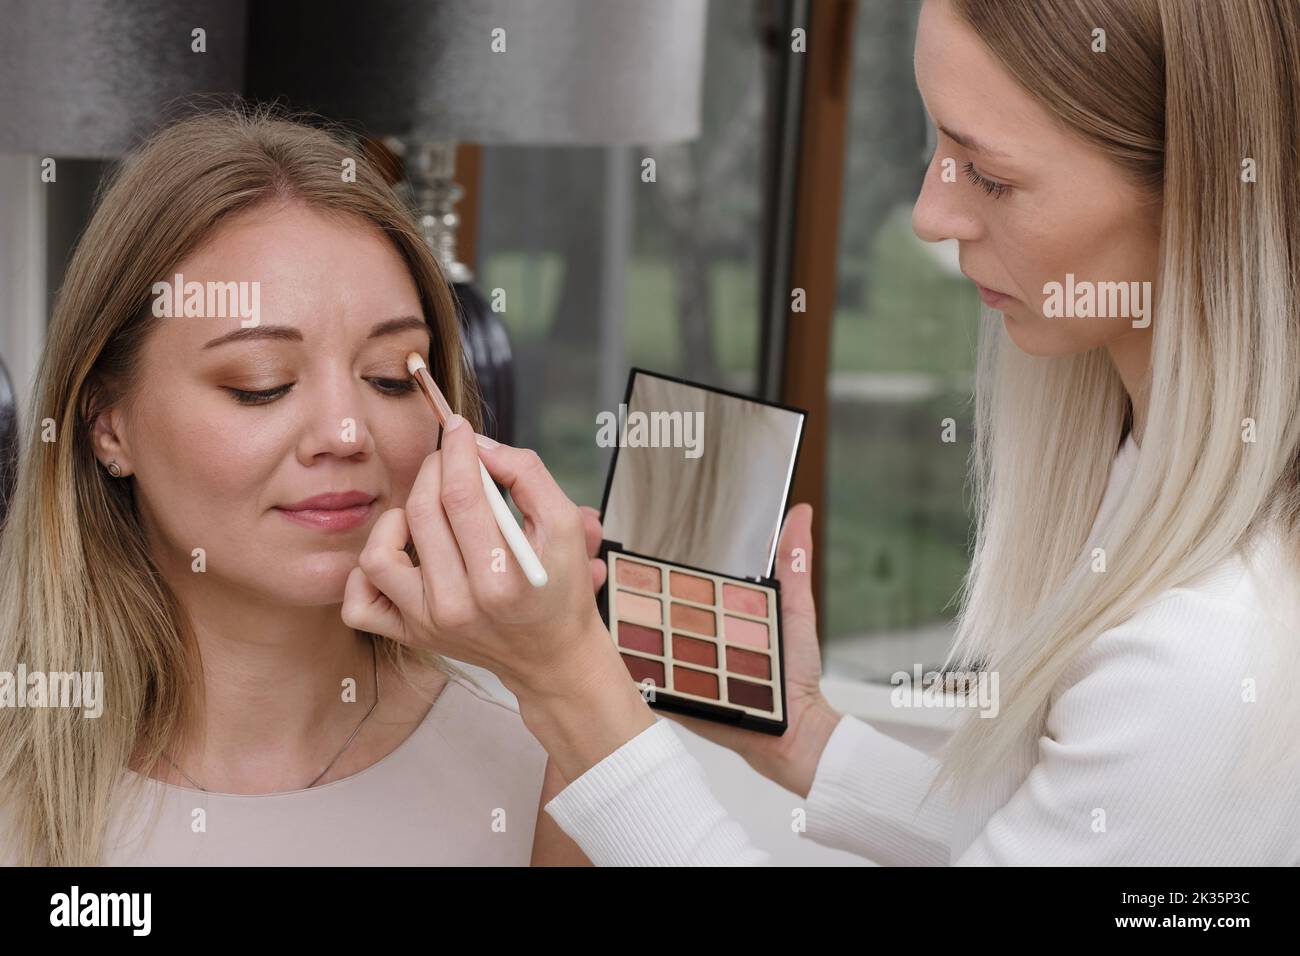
(79, 590)
(1186, 93)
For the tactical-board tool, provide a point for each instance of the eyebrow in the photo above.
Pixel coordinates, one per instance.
(288, 333)
(971, 143)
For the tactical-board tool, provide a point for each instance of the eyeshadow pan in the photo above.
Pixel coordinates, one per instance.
(642, 669)
(694, 651)
(639, 608)
(691, 587)
(645, 639)
(695, 682)
(634, 574)
(694, 619)
(742, 631)
(736, 597)
(758, 696)
(748, 663)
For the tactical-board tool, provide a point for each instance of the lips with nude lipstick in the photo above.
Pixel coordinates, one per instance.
(335, 511)
(992, 297)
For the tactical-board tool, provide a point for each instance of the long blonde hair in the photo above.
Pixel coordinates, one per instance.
(78, 589)
(1185, 93)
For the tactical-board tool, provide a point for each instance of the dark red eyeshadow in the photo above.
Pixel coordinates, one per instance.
(642, 670)
(758, 696)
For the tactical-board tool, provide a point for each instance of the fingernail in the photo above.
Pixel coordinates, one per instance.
(454, 422)
(485, 442)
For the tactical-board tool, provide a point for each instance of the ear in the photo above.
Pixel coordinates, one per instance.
(107, 439)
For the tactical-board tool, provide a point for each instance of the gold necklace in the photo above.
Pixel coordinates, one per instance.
(375, 659)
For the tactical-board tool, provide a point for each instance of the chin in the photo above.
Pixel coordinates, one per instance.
(1040, 337)
(316, 580)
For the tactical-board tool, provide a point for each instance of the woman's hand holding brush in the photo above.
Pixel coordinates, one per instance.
(469, 599)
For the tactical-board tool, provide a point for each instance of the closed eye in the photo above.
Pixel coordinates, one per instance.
(991, 187)
(263, 397)
(393, 387)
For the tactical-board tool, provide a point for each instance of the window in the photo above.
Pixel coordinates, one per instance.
(902, 361)
(602, 271)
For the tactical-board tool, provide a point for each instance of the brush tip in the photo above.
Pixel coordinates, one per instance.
(414, 363)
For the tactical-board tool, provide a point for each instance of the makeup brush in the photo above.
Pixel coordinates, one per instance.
(514, 535)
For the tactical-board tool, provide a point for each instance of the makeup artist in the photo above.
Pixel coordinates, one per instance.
(635, 796)
(1147, 714)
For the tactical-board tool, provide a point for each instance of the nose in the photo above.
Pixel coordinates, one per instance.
(335, 422)
(943, 209)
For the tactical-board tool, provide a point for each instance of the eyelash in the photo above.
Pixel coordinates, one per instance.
(392, 387)
(991, 187)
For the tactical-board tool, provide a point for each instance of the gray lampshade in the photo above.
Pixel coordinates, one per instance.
(90, 78)
(579, 72)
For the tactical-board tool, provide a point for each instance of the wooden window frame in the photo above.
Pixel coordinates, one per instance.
(814, 250)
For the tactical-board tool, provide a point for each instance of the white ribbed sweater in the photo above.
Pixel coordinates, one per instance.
(1138, 763)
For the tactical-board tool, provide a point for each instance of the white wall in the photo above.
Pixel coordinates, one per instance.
(22, 271)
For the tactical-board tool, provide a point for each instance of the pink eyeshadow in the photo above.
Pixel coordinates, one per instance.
(735, 597)
(634, 574)
(639, 609)
(740, 631)
(693, 619)
(690, 587)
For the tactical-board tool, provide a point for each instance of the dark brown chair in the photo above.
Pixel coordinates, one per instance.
(8, 441)
(485, 339)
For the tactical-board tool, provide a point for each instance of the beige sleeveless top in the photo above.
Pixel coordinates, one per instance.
(462, 789)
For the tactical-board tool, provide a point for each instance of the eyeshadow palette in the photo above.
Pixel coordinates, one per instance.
(692, 513)
(697, 636)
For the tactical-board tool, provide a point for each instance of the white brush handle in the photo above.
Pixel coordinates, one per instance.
(514, 535)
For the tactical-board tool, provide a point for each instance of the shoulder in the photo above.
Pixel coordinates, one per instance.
(475, 704)
(1180, 670)
(1214, 631)
(1174, 716)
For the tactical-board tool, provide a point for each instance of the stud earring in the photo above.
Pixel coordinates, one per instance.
(115, 469)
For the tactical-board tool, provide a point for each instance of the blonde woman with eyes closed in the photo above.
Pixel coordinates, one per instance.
(1134, 582)
(174, 537)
